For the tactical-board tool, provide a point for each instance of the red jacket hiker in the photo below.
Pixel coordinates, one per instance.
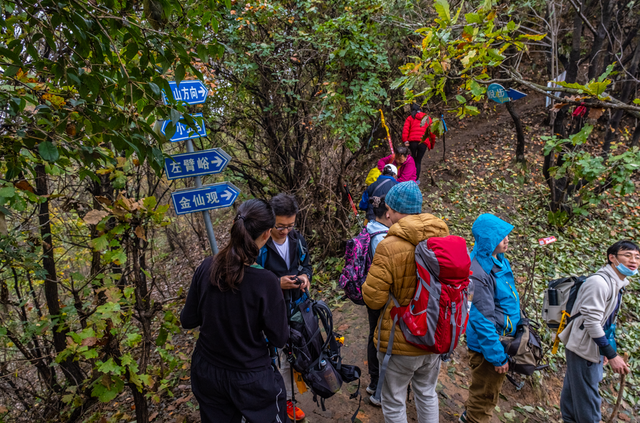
(412, 130)
(406, 170)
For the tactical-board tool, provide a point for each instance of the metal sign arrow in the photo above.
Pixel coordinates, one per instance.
(207, 197)
(189, 92)
(515, 94)
(203, 162)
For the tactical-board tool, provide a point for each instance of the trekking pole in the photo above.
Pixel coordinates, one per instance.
(625, 357)
(293, 393)
(353, 206)
(444, 138)
(393, 154)
(541, 242)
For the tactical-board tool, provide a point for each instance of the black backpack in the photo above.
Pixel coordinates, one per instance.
(314, 355)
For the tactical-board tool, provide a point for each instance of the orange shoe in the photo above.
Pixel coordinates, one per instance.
(299, 413)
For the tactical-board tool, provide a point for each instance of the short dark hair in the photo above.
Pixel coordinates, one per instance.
(402, 151)
(623, 245)
(381, 209)
(284, 205)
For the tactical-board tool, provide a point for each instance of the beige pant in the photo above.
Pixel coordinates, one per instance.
(422, 371)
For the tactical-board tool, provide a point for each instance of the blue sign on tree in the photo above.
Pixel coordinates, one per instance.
(203, 162)
(184, 131)
(208, 197)
(190, 92)
(497, 93)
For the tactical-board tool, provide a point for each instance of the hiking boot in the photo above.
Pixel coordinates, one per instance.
(371, 389)
(463, 417)
(375, 401)
(299, 413)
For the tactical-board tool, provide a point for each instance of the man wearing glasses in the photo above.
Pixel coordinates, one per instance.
(590, 336)
(286, 254)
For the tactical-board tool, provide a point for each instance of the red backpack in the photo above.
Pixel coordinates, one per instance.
(438, 313)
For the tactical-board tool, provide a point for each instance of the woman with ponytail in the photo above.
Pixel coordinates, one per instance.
(236, 304)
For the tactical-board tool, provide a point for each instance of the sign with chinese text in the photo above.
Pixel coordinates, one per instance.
(207, 197)
(190, 92)
(497, 93)
(184, 131)
(203, 162)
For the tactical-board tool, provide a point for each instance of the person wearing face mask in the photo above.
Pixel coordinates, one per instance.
(495, 312)
(588, 347)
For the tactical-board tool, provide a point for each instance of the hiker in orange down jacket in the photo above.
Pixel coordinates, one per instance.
(394, 270)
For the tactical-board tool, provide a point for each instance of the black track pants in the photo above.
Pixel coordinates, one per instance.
(417, 149)
(225, 396)
(372, 352)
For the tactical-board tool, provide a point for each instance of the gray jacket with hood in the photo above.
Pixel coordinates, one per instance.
(596, 301)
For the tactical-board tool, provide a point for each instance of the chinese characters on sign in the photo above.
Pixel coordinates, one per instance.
(204, 162)
(190, 92)
(208, 197)
(184, 131)
(497, 93)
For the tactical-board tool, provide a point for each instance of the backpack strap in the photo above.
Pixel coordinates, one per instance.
(387, 356)
(302, 254)
(371, 236)
(262, 256)
(604, 276)
(373, 194)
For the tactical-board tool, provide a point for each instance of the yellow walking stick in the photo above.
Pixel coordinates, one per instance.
(561, 326)
(393, 154)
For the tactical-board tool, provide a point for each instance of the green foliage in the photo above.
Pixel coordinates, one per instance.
(589, 173)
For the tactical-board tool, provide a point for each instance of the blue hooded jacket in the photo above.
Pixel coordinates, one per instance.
(495, 310)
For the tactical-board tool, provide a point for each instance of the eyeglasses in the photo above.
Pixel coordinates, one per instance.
(283, 228)
(630, 256)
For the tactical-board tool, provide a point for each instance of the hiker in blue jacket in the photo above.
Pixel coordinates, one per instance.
(379, 188)
(495, 311)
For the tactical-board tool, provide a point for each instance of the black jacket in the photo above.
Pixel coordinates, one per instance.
(271, 260)
(233, 325)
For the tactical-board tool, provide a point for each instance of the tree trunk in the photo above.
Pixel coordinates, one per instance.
(601, 34)
(145, 315)
(574, 55)
(71, 369)
(519, 131)
(625, 96)
(636, 136)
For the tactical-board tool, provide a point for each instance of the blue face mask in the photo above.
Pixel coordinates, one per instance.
(625, 270)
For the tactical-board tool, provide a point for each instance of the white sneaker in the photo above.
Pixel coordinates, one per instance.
(375, 401)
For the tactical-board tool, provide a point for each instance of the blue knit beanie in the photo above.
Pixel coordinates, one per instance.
(405, 198)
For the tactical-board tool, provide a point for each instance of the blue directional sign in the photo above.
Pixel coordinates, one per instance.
(515, 94)
(497, 93)
(189, 92)
(204, 162)
(208, 197)
(185, 132)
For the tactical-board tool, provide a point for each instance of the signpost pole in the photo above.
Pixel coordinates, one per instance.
(205, 213)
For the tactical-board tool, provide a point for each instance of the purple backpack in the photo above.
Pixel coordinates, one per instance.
(357, 260)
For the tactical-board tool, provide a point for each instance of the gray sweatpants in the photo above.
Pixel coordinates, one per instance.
(422, 371)
(580, 399)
